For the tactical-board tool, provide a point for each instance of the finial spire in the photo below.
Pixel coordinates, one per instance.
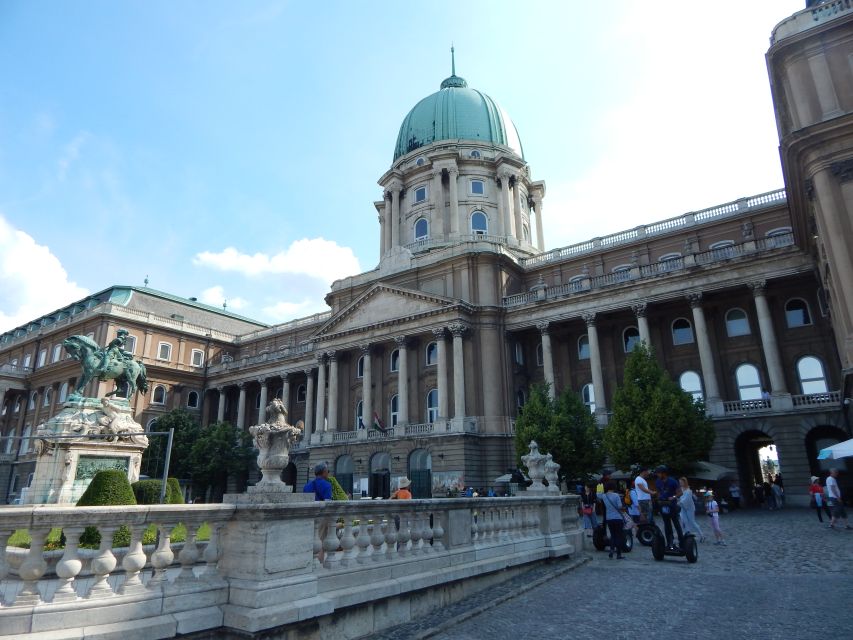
(453, 81)
(146, 280)
(452, 60)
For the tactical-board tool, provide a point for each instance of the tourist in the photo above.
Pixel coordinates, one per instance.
(688, 510)
(402, 492)
(769, 496)
(713, 511)
(734, 494)
(590, 522)
(836, 505)
(613, 510)
(633, 505)
(816, 501)
(778, 494)
(320, 485)
(644, 495)
(668, 491)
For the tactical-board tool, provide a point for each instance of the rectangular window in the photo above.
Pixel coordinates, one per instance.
(478, 188)
(130, 345)
(420, 194)
(164, 351)
(197, 358)
(27, 360)
(57, 353)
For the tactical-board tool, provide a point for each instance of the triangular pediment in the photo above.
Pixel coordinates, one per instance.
(383, 304)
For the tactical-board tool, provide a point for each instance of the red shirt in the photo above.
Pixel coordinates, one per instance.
(815, 488)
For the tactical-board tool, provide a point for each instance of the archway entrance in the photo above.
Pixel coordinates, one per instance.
(819, 438)
(344, 469)
(379, 484)
(420, 473)
(753, 467)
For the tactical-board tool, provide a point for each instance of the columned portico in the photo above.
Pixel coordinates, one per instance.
(778, 388)
(457, 330)
(367, 387)
(320, 413)
(713, 401)
(241, 406)
(402, 380)
(547, 358)
(595, 363)
(642, 322)
(334, 418)
(441, 371)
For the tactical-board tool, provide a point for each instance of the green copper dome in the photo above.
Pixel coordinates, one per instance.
(456, 112)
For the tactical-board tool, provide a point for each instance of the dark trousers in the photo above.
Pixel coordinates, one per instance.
(617, 536)
(669, 520)
(825, 509)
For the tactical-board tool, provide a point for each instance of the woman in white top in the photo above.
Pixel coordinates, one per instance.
(688, 510)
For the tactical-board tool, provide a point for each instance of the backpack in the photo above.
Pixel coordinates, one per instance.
(627, 498)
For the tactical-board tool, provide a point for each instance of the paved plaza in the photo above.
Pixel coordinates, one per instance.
(783, 575)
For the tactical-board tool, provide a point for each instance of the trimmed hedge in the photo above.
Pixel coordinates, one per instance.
(107, 488)
(338, 492)
(148, 491)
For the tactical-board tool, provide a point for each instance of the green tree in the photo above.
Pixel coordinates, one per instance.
(187, 432)
(564, 428)
(220, 450)
(654, 421)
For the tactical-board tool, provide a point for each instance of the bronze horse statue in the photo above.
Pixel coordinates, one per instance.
(119, 370)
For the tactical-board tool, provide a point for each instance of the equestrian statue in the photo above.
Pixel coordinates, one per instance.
(110, 363)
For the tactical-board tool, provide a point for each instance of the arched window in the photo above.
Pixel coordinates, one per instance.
(25, 441)
(519, 353)
(159, 395)
(33, 397)
(797, 313)
(395, 404)
(300, 393)
(780, 237)
(152, 424)
(622, 273)
(17, 405)
(359, 368)
(432, 406)
(63, 392)
(192, 400)
(540, 358)
(479, 223)
(431, 353)
(344, 469)
(583, 347)
(811, 374)
(722, 250)
(420, 460)
(520, 398)
(395, 360)
(682, 331)
(669, 262)
(588, 397)
(737, 323)
(48, 392)
(691, 383)
(630, 339)
(123, 390)
(421, 229)
(420, 162)
(525, 232)
(748, 382)
(475, 154)
(359, 415)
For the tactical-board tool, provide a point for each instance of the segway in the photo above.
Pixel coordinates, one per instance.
(646, 533)
(688, 549)
(601, 541)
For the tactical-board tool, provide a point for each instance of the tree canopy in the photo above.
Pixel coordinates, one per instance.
(654, 421)
(563, 427)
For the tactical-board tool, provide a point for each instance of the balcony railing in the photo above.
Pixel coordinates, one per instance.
(800, 402)
(746, 406)
(817, 399)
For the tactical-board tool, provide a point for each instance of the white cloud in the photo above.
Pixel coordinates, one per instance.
(70, 153)
(215, 296)
(32, 280)
(284, 311)
(315, 257)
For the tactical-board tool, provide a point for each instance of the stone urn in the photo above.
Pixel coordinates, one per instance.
(552, 474)
(273, 440)
(535, 463)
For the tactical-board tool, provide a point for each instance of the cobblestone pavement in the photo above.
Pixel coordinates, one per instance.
(783, 575)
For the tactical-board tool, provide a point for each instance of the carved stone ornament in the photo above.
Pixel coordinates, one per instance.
(552, 474)
(401, 341)
(639, 309)
(543, 327)
(274, 438)
(843, 170)
(695, 299)
(589, 318)
(535, 463)
(747, 230)
(457, 330)
(757, 287)
(439, 333)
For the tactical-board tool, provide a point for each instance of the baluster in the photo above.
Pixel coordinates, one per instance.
(417, 533)
(331, 543)
(189, 554)
(347, 542)
(134, 561)
(528, 521)
(437, 532)
(536, 521)
(488, 526)
(363, 541)
(475, 527)
(390, 538)
(32, 569)
(318, 544)
(211, 552)
(377, 539)
(428, 534)
(69, 565)
(102, 565)
(517, 523)
(162, 557)
(403, 535)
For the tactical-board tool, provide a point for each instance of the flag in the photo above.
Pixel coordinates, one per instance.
(377, 423)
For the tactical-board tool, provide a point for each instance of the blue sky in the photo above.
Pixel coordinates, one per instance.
(231, 150)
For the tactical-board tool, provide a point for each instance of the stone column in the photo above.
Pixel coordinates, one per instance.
(438, 199)
(241, 406)
(390, 225)
(309, 402)
(396, 236)
(768, 339)
(182, 348)
(320, 413)
(540, 236)
(642, 322)
(595, 362)
(382, 228)
(146, 344)
(285, 391)
(516, 210)
(504, 199)
(402, 380)
(441, 371)
(457, 330)
(500, 223)
(713, 401)
(454, 202)
(547, 359)
(262, 410)
(367, 388)
(333, 390)
(220, 407)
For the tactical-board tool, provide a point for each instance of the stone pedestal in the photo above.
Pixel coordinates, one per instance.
(69, 456)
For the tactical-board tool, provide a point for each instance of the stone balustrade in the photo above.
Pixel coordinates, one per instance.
(266, 565)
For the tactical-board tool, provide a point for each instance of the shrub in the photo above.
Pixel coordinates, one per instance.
(148, 491)
(107, 488)
(338, 492)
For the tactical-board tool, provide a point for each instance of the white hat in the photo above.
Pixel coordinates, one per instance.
(403, 483)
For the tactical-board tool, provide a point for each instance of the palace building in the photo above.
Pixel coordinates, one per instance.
(421, 364)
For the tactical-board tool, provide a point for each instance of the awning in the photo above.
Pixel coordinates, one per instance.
(840, 450)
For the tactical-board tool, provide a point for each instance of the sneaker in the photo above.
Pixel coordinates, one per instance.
(723, 543)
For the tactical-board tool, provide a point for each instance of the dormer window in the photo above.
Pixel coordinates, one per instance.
(420, 194)
(475, 154)
(478, 188)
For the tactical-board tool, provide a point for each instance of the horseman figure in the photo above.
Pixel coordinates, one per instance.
(109, 363)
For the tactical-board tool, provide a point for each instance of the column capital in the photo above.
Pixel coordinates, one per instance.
(439, 333)
(332, 355)
(284, 374)
(242, 384)
(401, 341)
(387, 195)
(395, 185)
(757, 287)
(589, 317)
(321, 358)
(436, 173)
(262, 381)
(639, 309)
(544, 327)
(453, 171)
(457, 329)
(220, 389)
(695, 299)
(309, 372)
(365, 348)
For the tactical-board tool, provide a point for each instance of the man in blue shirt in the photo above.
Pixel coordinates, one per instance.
(320, 485)
(668, 491)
